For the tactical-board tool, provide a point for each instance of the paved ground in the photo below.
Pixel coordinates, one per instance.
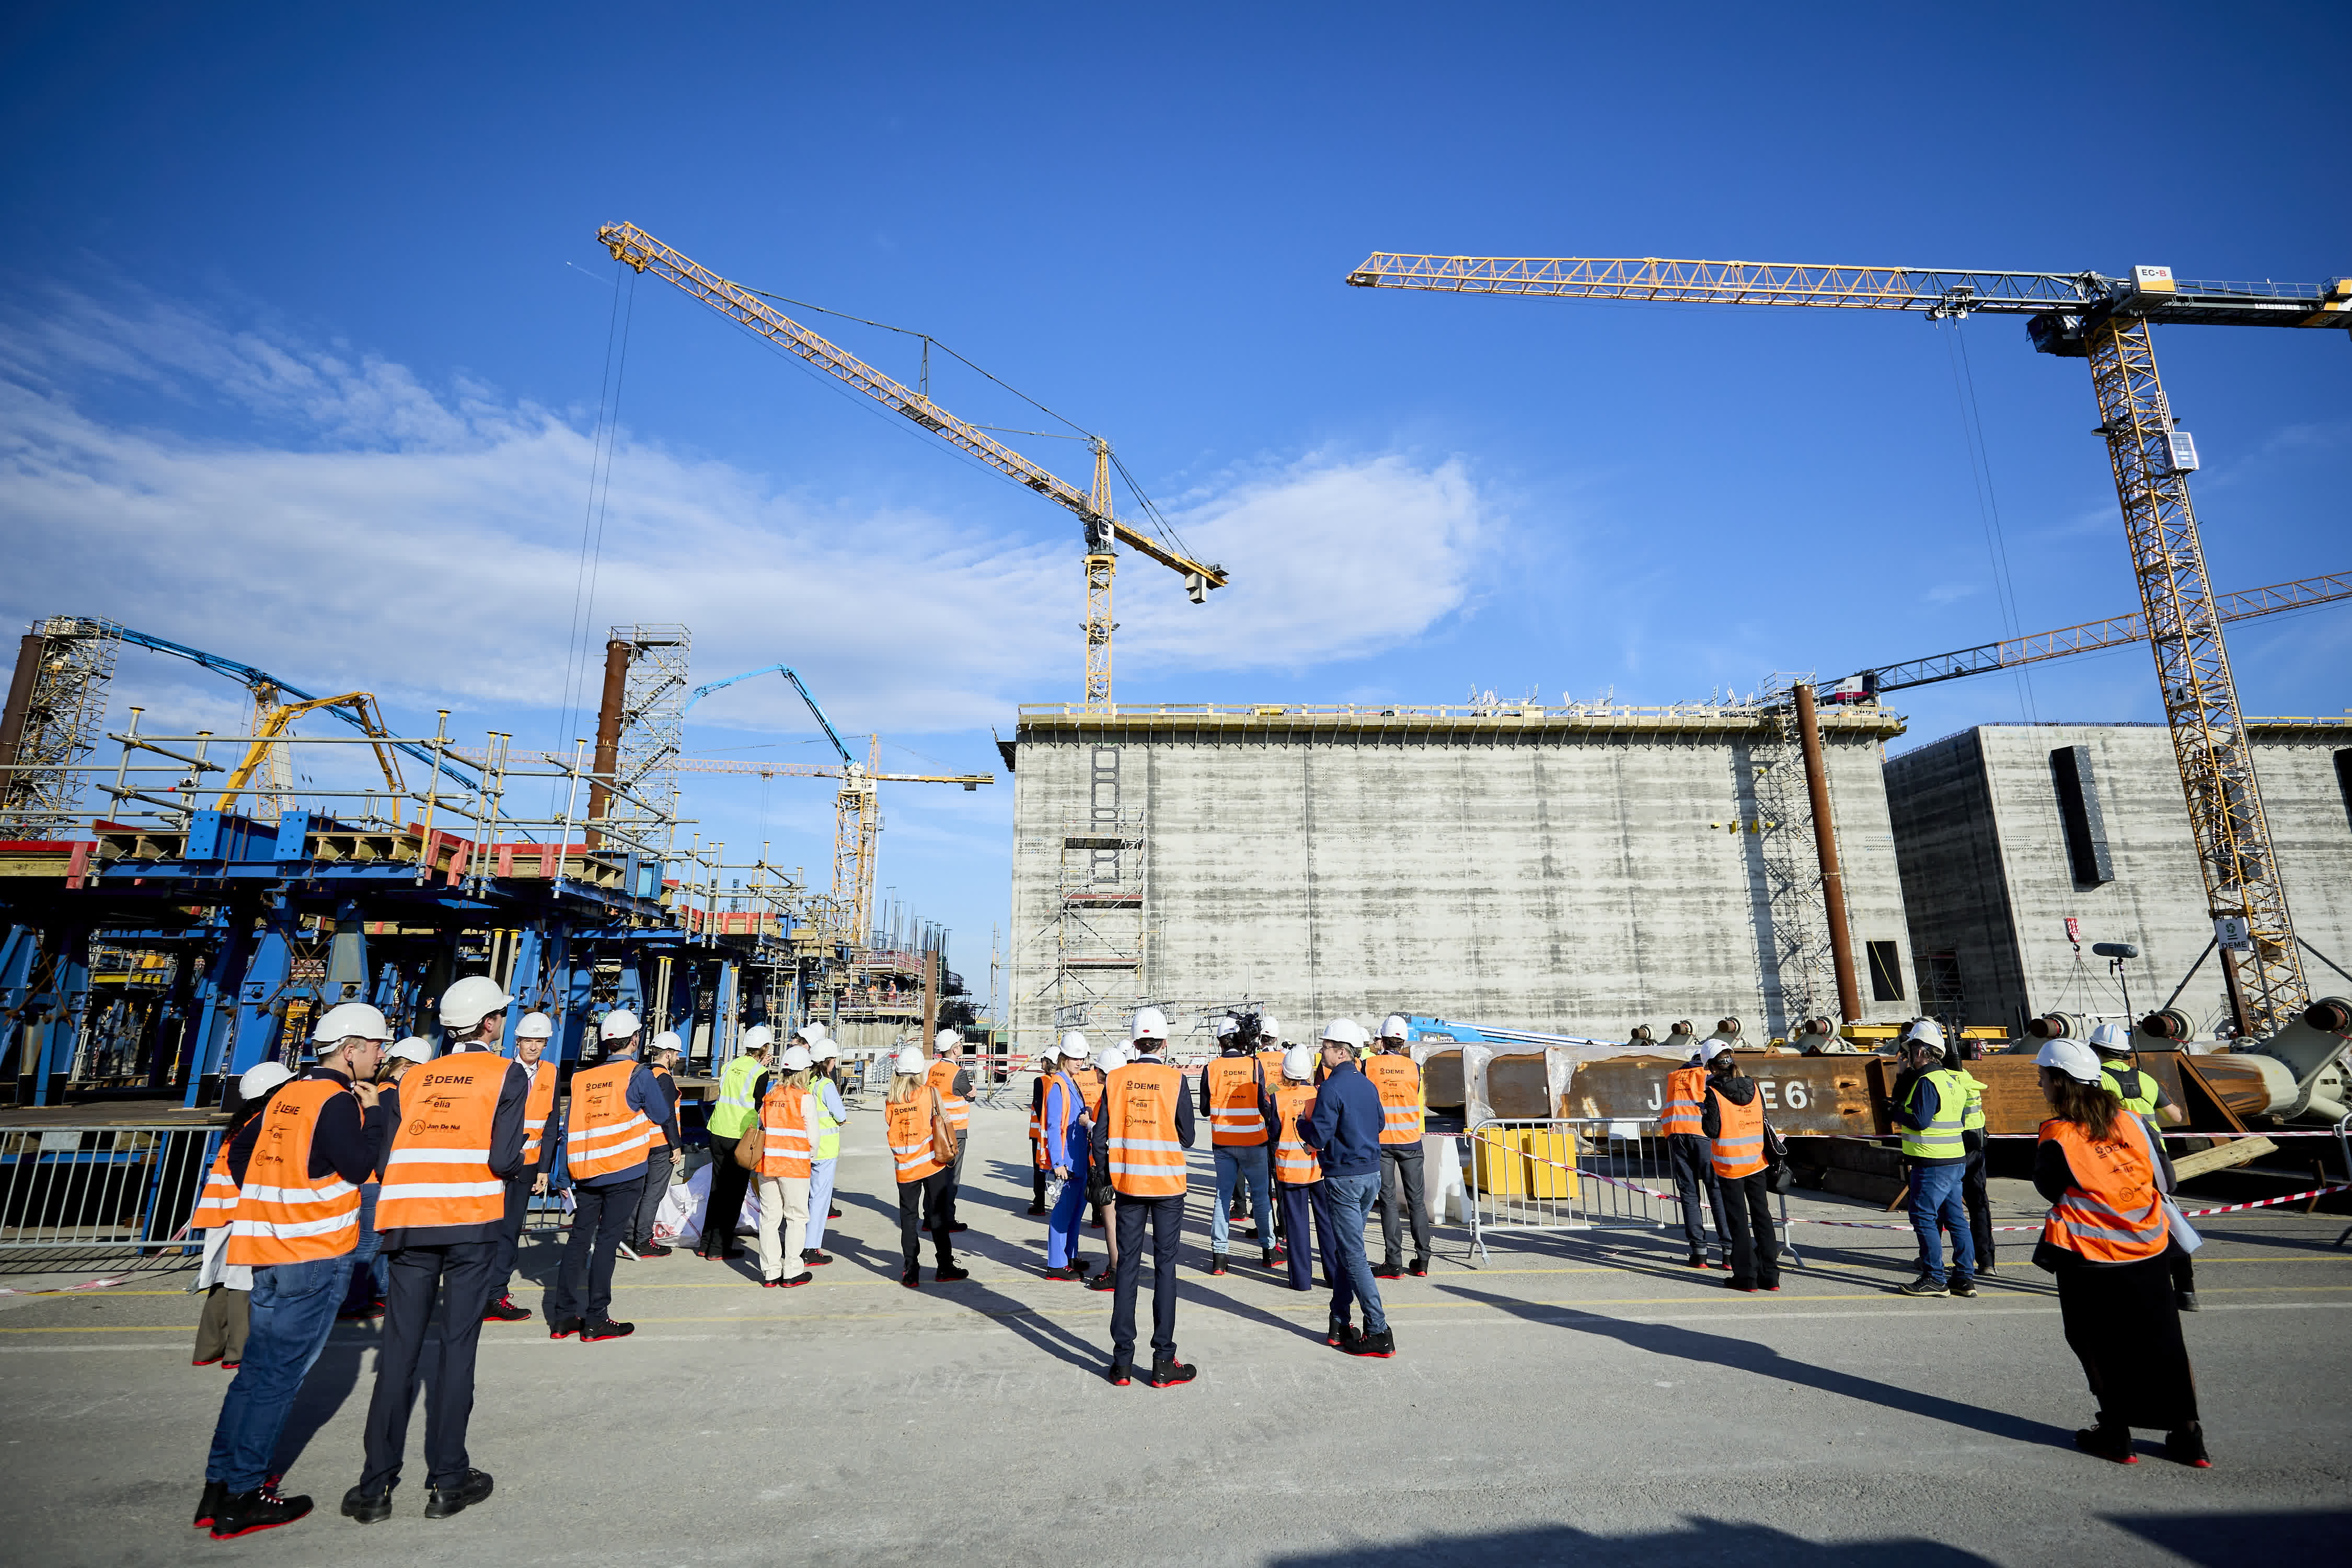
(1579, 1400)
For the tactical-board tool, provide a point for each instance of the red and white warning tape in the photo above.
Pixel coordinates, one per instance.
(64, 1289)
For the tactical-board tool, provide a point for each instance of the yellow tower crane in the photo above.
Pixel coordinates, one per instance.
(2077, 315)
(642, 251)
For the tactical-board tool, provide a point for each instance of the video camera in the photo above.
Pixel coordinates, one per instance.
(1250, 1030)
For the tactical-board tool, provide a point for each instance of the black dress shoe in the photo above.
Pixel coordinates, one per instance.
(242, 1513)
(368, 1508)
(440, 1502)
(208, 1506)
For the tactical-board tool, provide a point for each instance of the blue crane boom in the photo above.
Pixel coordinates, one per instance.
(800, 685)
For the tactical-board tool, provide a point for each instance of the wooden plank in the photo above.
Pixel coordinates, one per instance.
(2220, 1157)
(1811, 1096)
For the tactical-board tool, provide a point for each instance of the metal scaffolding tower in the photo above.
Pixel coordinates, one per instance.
(1801, 978)
(56, 707)
(653, 731)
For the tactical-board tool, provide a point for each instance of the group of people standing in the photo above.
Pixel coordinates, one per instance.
(453, 1154)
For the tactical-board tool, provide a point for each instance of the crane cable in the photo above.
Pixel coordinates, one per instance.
(604, 439)
(1972, 438)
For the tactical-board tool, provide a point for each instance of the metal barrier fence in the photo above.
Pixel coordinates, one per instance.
(1573, 1175)
(101, 1188)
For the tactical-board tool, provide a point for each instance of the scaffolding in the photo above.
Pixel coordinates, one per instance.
(1101, 931)
(1800, 970)
(653, 731)
(55, 725)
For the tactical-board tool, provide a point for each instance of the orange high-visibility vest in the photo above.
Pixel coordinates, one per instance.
(786, 1145)
(1270, 1064)
(604, 1132)
(1398, 1077)
(1685, 1092)
(1739, 1147)
(1037, 1122)
(661, 1139)
(941, 1079)
(536, 1106)
(285, 1214)
(1294, 1163)
(909, 1124)
(216, 1204)
(1235, 1120)
(438, 1169)
(1145, 1160)
(2115, 1211)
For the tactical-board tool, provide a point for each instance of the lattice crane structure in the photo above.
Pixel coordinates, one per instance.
(2077, 315)
(1092, 507)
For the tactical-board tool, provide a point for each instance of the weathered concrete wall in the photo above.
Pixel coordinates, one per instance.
(1572, 876)
(1987, 875)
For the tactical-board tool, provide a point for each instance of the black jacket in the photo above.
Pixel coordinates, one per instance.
(506, 1165)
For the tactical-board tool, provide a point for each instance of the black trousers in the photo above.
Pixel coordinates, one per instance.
(1165, 1219)
(1690, 1156)
(1305, 1210)
(1980, 1205)
(1037, 1182)
(923, 1205)
(1755, 1246)
(641, 1224)
(729, 1183)
(583, 1286)
(461, 1275)
(1401, 1167)
(954, 1179)
(510, 1233)
(2182, 1265)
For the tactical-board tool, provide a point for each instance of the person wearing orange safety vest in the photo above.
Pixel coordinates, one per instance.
(1299, 1197)
(228, 1293)
(1233, 1085)
(617, 1110)
(950, 1084)
(922, 1143)
(2105, 1240)
(540, 1144)
(661, 1159)
(1041, 1167)
(298, 1167)
(1398, 1077)
(1691, 1161)
(1139, 1140)
(788, 1132)
(452, 1160)
(1733, 1118)
(1344, 1130)
(1065, 1123)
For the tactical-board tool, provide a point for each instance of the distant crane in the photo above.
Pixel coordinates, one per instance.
(2076, 315)
(642, 251)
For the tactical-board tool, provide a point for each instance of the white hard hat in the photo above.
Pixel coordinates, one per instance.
(796, 1059)
(822, 1045)
(2110, 1037)
(1224, 1026)
(1299, 1062)
(261, 1077)
(1150, 1023)
(908, 1061)
(1924, 1032)
(1074, 1046)
(1111, 1057)
(1712, 1049)
(470, 1001)
(667, 1040)
(347, 1018)
(416, 1048)
(2073, 1058)
(815, 1030)
(1343, 1032)
(758, 1037)
(1397, 1027)
(535, 1027)
(618, 1025)
(1269, 1028)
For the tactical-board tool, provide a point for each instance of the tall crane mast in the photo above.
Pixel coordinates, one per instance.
(2080, 315)
(635, 247)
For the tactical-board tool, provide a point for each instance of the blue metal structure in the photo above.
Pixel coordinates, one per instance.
(790, 674)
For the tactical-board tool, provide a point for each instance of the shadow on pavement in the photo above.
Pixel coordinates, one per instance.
(2227, 1539)
(1763, 1361)
(1707, 1541)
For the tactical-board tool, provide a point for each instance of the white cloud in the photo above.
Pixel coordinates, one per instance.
(332, 546)
(1951, 593)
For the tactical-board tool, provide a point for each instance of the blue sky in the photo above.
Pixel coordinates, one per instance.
(304, 326)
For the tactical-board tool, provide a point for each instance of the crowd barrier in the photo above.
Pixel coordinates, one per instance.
(81, 1189)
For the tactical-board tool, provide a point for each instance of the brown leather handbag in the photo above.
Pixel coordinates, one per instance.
(751, 1146)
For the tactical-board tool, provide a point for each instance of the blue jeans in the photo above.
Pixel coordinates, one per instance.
(1937, 1199)
(367, 1258)
(293, 1311)
(1062, 1224)
(1352, 1206)
(1238, 1165)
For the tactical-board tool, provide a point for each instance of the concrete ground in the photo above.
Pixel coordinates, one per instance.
(1582, 1398)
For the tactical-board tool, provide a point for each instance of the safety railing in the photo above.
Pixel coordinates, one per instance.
(126, 1189)
(1566, 1174)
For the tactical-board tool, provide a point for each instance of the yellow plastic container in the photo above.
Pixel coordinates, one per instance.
(1523, 1162)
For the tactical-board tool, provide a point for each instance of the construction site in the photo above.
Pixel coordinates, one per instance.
(1566, 901)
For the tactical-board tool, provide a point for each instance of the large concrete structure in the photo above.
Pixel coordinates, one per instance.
(1578, 870)
(2006, 831)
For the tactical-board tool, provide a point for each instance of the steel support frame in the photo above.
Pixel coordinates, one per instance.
(2201, 695)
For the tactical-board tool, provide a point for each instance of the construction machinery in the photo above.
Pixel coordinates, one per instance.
(2105, 320)
(267, 752)
(640, 250)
